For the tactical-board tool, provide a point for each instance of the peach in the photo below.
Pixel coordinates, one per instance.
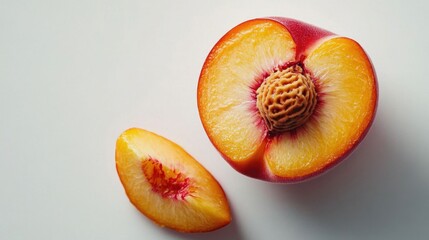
(168, 185)
(283, 100)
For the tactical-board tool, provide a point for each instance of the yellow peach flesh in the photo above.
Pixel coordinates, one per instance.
(205, 208)
(348, 94)
(224, 97)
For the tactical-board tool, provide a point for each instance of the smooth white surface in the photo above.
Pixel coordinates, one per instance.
(75, 74)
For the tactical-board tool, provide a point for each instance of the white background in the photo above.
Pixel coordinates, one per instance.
(75, 74)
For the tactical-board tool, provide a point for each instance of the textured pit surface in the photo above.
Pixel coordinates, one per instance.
(286, 99)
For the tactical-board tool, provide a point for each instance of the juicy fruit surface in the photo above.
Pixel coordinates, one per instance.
(167, 185)
(346, 98)
(347, 93)
(224, 101)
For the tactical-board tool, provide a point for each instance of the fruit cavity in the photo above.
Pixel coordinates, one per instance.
(166, 182)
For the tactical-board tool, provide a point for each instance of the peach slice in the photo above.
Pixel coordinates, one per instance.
(283, 100)
(168, 185)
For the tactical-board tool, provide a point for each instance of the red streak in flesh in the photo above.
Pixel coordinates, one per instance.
(169, 183)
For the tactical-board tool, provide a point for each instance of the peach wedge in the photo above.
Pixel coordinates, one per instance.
(283, 100)
(168, 185)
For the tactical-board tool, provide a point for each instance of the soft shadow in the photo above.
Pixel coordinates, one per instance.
(376, 193)
(231, 231)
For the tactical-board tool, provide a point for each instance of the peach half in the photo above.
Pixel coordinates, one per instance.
(283, 100)
(168, 185)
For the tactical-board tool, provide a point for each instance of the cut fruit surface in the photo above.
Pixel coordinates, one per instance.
(348, 95)
(282, 100)
(169, 186)
(229, 74)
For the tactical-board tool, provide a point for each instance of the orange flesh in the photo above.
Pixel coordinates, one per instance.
(167, 185)
(225, 103)
(346, 88)
(347, 93)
